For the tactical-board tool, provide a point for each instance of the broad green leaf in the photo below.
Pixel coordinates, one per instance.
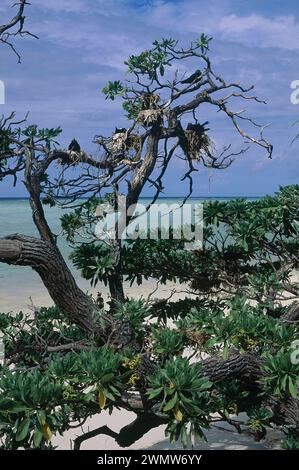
(292, 388)
(225, 351)
(23, 429)
(37, 437)
(171, 404)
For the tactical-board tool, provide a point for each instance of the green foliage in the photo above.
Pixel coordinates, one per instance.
(71, 223)
(93, 370)
(148, 62)
(143, 259)
(98, 365)
(113, 89)
(36, 405)
(78, 384)
(133, 312)
(165, 44)
(244, 327)
(244, 242)
(6, 137)
(291, 441)
(204, 43)
(168, 342)
(281, 375)
(50, 326)
(132, 108)
(27, 408)
(9, 321)
(259, 420)
(48, 201)
(29, 391)
(185, 397)
(247, 241)
(36, 135)
(95, 262)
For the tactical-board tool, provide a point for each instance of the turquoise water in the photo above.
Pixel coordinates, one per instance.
(15, 217)
(18, 283)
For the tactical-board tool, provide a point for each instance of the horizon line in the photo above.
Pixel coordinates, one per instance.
(148, 197)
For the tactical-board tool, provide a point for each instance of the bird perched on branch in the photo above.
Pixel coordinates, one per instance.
(120, 130)
(200, 128)
(74, 146)
(193, 78)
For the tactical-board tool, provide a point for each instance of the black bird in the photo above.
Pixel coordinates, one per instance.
(198, 127)
(193, 78)
(122, 130)
(74, 146)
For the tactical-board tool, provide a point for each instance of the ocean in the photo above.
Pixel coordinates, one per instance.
(15, 217)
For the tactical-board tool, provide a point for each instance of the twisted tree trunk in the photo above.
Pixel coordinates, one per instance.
(44, 258)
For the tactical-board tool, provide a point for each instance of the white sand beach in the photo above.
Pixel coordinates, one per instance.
(220, 437)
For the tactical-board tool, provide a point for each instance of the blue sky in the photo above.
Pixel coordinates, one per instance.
(83, 44)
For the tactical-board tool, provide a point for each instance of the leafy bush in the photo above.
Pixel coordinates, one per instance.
(185, 397)
(282, 375)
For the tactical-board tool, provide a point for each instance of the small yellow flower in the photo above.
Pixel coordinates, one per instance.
(133, 379)
(133, 363)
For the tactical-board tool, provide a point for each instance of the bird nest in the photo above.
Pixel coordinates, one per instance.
(150, 116)
(149, 101)
(133, 141)
(198, 142)
(122, 142)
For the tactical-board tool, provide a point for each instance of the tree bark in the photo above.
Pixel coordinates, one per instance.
(292, 315)
(247, 368)
(244, 367)
(46, 260)
(135, 188)
(115, 280)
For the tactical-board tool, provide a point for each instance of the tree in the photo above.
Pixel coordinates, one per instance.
(15, 27)
(249, 251)
(149, 145)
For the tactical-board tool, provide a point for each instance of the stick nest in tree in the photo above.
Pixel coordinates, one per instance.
(149, 101)
(150, 116)
(150, 112)
(198, 142)
(121, 142)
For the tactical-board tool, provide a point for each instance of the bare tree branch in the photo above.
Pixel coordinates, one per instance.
(15, 27)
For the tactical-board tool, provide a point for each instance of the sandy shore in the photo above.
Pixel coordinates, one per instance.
(220, 437)
(16, 297)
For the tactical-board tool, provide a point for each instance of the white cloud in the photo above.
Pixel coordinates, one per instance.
(256, 30)
(217, 18)
(188, 16)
